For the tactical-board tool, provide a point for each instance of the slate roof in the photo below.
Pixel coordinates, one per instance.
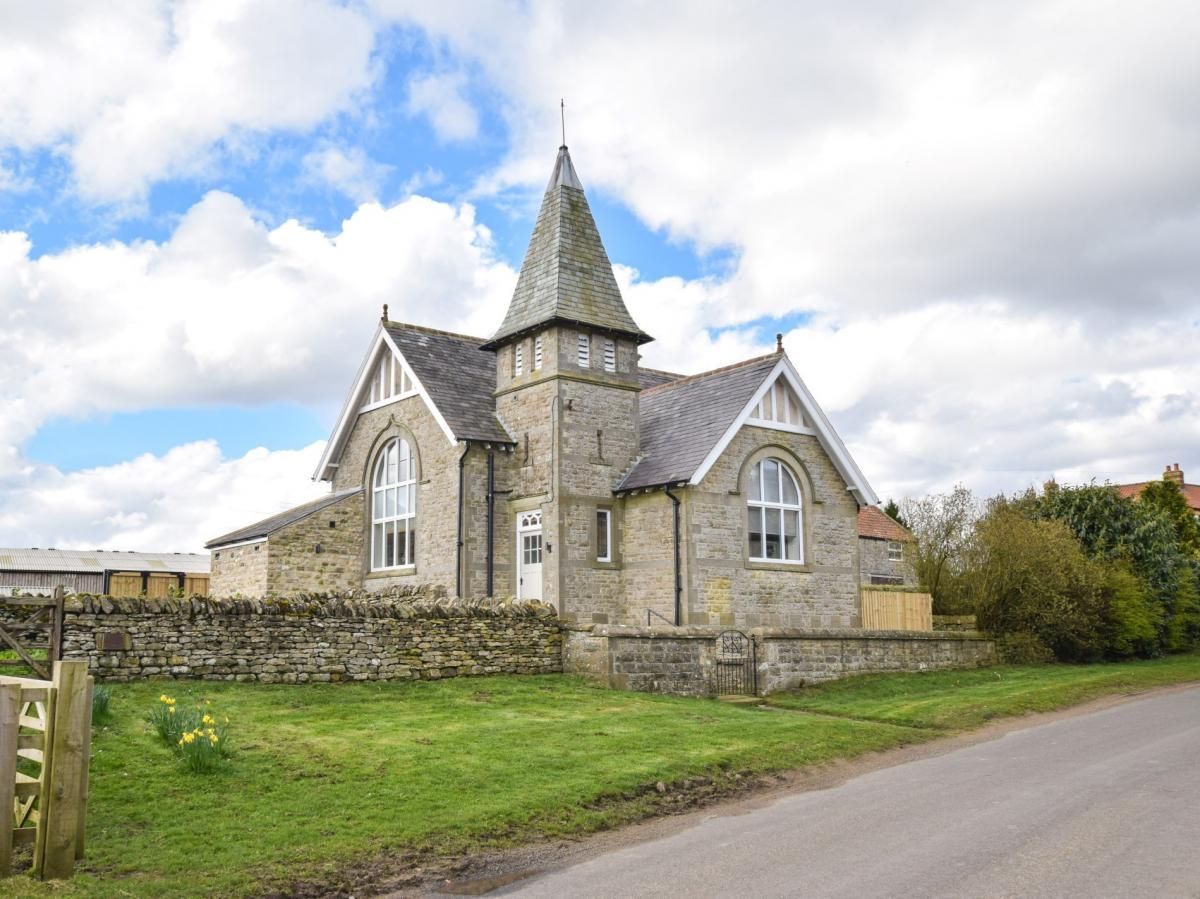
(268, 526)
(459, 377)
(875, 524)
(652, 377)
(97, 561)
(682, 420)
(566, 275)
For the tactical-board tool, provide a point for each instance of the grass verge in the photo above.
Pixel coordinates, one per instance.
(327, 777)
(957, 700)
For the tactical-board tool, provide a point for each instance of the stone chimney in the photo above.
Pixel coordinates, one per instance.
(1173, 474)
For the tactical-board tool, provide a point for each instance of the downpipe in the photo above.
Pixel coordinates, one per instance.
(678, 568)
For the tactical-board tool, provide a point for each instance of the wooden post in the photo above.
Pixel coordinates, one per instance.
(81, 832)
(56, 631)
(63, 800)
(10, 719)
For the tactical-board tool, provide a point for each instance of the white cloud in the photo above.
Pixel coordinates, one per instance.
(346, 169)
(133, 92)
(169, 503)
(228, 310)
(439, 97)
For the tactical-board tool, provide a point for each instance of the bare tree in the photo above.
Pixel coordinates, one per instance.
(942, 525)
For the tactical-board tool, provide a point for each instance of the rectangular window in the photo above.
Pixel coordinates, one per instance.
(610, 356)
(603, 535)
(518, 360)
(895, 551)
(585, 351)
(886, 579)
(537, 353)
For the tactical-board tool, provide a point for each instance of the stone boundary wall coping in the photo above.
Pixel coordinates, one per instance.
(363, 605)
(710, 632)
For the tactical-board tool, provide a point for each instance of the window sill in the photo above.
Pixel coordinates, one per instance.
(391, 572)
(771, 565)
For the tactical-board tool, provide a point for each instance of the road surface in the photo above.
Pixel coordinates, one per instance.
(1103, 804)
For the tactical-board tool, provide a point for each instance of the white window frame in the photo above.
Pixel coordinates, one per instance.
(610, 355)
(537, 353)
(584, 352)
(518, 360)
(406, 481)
(763, 505)
(895, 551)
(607, 556)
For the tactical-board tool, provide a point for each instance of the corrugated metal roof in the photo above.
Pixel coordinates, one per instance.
(98, 561)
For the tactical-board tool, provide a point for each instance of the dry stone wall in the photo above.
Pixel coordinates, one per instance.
(402, 636)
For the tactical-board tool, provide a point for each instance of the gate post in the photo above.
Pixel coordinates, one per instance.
(10, 721)
(67, 756)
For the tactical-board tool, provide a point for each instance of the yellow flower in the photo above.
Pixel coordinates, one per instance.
(166, 700)
(208, 719)
(214, 739)
(171, 709)
(186, 738)
(226, 719)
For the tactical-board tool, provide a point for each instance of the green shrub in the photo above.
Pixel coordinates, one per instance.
(1132, 622)
(101, 705)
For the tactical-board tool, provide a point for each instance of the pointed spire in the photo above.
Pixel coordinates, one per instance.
(566, 275)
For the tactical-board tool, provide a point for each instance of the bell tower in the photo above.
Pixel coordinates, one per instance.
(567, 390)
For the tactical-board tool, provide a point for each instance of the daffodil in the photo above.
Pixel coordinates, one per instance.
(208, 719)
(171, 709)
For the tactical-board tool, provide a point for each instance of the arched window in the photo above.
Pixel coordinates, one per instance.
(393, 507)
(775, 513)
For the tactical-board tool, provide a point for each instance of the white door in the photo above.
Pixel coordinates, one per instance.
(529, 555)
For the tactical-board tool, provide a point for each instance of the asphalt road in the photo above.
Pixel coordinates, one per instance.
(1104, 804)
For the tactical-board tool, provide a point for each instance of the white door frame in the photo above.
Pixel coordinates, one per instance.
(529, 522)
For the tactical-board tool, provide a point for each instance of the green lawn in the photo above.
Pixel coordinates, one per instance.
(327, 774)
(330, 773)
(956, 700)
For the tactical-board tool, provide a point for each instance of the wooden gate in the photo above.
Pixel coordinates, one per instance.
(45, 747)
(33, 624)
(737, 671)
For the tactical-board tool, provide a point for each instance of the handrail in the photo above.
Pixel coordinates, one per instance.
(650, 612)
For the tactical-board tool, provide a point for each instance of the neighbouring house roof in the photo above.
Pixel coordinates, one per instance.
(268, 526)
(457, 375)
(1191, 492)
(875, 524)
(97, 561)
(566, 275)
(687, 423)
(682, 420)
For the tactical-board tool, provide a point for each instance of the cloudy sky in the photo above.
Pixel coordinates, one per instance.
(977, 224)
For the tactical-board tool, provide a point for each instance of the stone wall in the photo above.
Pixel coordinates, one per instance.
(322, 552)
(239, 570)
(874, 561)
(683, 660)
(316, 639)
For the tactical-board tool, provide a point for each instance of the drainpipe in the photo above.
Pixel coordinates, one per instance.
(462, 486)
(491, 519)
(678, 570)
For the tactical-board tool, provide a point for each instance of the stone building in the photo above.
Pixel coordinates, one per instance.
(884, 549)
(545, 462)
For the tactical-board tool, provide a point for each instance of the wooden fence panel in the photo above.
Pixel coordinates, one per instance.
(891, 610)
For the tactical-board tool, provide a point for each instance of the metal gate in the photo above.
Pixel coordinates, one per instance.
(737, 673)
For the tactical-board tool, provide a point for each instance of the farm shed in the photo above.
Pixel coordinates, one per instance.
(116, 573)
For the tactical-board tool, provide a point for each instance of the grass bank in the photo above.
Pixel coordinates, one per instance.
(958, 700)
(328, 775)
